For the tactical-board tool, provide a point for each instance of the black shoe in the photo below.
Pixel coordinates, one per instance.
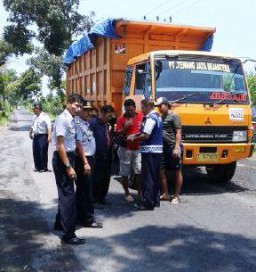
(45, 170)
(143, 208)
(35, 170)
(73, 241)
(104, 202)
(157, 205)
(98, 206)
(95, 225)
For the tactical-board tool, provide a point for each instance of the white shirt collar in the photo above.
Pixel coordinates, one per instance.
(66, 112)
(150, 113)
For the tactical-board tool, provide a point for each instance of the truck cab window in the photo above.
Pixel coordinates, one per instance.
(127, 80)
(143, 80)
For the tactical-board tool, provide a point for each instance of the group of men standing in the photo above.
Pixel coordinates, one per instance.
(150, 146)
(82, 142)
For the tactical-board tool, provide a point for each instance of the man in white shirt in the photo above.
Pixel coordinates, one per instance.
(67, 140)
(84, 182)
(41, 133)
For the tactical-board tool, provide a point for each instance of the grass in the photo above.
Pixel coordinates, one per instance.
(3, 121)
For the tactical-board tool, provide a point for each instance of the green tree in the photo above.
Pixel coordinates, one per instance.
(5, 51)
(49, 65)
(8, 93)
(29, 84)
(57, 21)
(251, 79)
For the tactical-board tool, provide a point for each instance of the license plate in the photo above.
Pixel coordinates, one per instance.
(207, 157)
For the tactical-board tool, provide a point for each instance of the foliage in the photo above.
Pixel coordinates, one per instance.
(56, 21)
(7, 79)
(29, 84)
(52, 104)
(251, 79)
(7, 94)
(5, 51)
(49, 65)
(19, 38)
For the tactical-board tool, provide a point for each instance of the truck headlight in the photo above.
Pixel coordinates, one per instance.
(239, 136)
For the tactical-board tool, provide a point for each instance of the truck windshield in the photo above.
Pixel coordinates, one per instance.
(201, 80)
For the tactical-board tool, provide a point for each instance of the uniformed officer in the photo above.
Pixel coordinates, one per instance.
(41, 133)
(101, 174)
(151, 152)
(66, 141)
(84, 193)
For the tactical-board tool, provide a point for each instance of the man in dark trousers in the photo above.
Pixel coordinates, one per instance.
(101, 173)
(172, 150)
(151, 151)
(84, 183)
(41, 134)
(66, 140)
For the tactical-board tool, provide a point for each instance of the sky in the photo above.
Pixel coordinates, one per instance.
(235, 21)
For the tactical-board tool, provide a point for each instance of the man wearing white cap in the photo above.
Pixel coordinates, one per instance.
(172, 149)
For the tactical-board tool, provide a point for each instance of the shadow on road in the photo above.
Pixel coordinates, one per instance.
(182, 248)
(149, 248)
(23, 236)
(19, 128)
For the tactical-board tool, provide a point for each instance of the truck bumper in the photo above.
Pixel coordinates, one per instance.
(207, 154)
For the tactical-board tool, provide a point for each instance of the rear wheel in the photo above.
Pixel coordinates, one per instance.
(221, 173)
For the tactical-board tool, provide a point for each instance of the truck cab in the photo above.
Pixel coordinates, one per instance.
(210, 94)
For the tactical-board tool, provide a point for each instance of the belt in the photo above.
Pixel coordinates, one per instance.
(68, 152)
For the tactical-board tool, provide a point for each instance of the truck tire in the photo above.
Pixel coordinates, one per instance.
(221, 173)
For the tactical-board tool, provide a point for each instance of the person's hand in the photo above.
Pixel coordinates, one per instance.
(71, 173)
(49, 139)
(128, 123)
(87, 169)
(175, 153)
(131, 137)
(31, 135)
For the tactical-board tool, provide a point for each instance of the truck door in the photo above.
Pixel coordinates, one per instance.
(142, 85)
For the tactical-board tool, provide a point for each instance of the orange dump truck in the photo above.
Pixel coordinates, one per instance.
(121, 59)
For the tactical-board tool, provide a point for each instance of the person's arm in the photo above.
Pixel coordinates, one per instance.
(64, 158)
(149, 125)
(31, 129)
(139, 137)
(123, 127)
(49, 129)
(177, 125)
(31, 133)
(81, 154)
(176, 149)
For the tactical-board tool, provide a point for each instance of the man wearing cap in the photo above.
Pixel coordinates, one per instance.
(84, 195)
(172, 149)
(101, 173)
(40, 133)
(151, 152)
(67, 140)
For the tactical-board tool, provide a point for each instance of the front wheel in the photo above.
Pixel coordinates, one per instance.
(221, 173)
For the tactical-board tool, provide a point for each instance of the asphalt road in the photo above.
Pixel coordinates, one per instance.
(212, 229)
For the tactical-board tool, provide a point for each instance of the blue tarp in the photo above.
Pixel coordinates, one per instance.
(207, 46)
(104, 29)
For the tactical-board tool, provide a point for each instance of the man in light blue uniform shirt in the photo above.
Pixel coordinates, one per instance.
(84, 193)
(66, 140)
(40, 133)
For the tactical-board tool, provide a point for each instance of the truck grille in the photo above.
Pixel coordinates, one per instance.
(200, 134)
